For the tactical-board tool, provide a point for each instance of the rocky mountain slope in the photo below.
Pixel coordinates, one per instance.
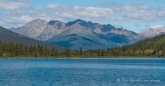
(9, 36)
(153, 31)
(78, 33)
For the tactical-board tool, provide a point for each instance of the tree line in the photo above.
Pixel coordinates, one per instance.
(150, 47)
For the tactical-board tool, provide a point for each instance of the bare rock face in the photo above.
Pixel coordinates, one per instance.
(153, 31)
(32, 29)
(51, 29)
(78, 33)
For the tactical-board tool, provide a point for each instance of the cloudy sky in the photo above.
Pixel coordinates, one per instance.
(134, 15)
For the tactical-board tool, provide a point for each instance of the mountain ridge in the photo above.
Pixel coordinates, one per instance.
(94, 34)
(153, 31)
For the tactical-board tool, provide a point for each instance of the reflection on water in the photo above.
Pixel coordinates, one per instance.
(82, 72)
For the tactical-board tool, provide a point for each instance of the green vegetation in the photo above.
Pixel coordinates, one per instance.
(23, 50)
(150, 47)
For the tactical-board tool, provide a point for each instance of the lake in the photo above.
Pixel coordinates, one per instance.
(83, 72)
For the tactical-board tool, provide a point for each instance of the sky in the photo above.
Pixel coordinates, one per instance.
(133, 15)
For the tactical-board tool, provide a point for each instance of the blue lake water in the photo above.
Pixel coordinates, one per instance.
(83, 72)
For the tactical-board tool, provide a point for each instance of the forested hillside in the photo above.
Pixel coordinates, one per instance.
(154, 47)
(150, 47)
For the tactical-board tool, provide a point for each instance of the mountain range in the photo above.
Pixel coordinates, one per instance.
(78, 33)
(9, 36)
(153, 31)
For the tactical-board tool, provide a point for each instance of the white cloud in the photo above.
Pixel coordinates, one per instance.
(157, 26)
(14, 4)
(74, 12)
(53, 6)
(109, 12)
(135, 12)
(140, 13)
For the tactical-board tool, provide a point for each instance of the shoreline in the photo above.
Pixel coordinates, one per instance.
(82, 58)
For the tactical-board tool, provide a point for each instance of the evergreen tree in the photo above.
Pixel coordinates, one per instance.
(91, 52)
(98, 52)
(41, 50)
(17, 50)
(46, 51)
(103, 53)
(26, 49)
(67, 52)
(54, 52)
(81, 52)
(35, 54)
